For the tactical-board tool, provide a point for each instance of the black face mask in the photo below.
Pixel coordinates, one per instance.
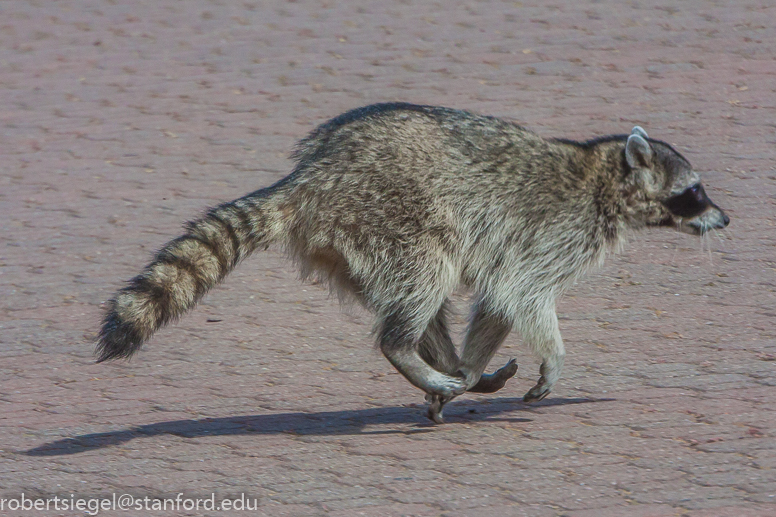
(690, 203)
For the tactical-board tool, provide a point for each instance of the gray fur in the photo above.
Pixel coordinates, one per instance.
(397, 205)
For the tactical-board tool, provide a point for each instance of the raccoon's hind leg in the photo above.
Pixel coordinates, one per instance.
(400, 344)
(487, 331)
(437, 349)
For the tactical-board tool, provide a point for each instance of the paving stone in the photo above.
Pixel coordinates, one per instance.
(121, 120)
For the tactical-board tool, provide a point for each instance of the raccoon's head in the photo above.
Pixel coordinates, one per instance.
(665, 190)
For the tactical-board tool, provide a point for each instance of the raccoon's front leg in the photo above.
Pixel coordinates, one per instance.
(487, 331)
(540, 330)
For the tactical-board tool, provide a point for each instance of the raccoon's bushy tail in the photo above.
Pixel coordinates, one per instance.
(187, 267)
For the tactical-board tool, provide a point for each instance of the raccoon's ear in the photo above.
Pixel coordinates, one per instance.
(638, 130)
(638, 152)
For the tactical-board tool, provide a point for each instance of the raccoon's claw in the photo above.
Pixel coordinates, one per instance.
(508, 370)
(491, 383)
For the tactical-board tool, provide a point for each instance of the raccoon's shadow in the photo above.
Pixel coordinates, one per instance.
(322, 423)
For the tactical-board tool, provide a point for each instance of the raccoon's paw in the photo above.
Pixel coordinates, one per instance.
(435, 406)
(446, 386)
(444, 389)
(538, 392)
(491, 383)
(550, 372)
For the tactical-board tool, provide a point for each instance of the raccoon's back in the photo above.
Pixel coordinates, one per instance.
(400, 172)
(400, 137)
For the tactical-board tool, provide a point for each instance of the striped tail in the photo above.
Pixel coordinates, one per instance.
(186, 268)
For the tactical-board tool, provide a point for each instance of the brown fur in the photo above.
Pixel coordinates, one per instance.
(397, 205)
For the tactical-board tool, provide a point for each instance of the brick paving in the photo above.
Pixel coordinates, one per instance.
(120, 120)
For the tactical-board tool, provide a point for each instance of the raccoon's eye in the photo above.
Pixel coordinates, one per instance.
(697, 192)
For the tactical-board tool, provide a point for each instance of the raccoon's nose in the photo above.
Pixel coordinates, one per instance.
(725, 219)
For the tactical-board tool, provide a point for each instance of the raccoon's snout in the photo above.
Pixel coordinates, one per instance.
(713, 218)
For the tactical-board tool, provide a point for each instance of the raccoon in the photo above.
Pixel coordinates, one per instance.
(397, 205)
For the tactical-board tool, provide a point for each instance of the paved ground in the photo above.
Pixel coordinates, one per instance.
(119, 120)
